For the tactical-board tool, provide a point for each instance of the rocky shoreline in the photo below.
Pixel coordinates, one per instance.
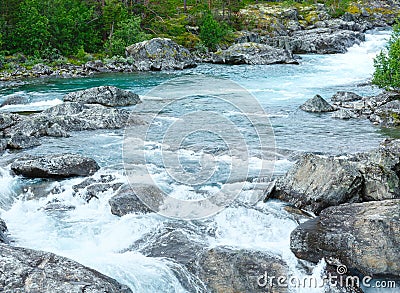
(288, 31)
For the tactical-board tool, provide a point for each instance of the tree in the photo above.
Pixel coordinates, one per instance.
(387, 63)
(211, 31)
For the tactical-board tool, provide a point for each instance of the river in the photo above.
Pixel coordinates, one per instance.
(91, 235)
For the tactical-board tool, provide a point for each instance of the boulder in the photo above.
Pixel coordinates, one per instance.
(128, 200)
(27, 270)
(54, 166)
(252, 53)
(104, 95)
(224, 269)
(342, 96)
(160, 54)
(15, 100)
(387, 115)
(58, 120)
(318, 41)
(3, 230)
(41, 69)
(317, 182)
(363, 236)
(343, 114)
(317, 105)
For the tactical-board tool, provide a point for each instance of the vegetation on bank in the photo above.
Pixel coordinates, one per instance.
(387, 63)
(75, 31)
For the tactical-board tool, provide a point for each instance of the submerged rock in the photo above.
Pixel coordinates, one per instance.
(363, 236)
(126, 201)
(27, 270)
(252, 53)
(343, 114)
(104, 95)
(317, 182)
(54, 166)
(15, 100)
(160, 54)
(317, 105)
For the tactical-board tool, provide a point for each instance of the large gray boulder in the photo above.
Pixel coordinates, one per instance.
(318, 41)
(22, 132)
(343, 96)
(224, 269)
(317, 182)
(129, 200)
(26, 270)
(104, 95)
(363, 236)
(252, 53)
(317, 105)
(160, 54)
(54, 166)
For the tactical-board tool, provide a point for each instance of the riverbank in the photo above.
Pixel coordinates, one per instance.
(294, 29)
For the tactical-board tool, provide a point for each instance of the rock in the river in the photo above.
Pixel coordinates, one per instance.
(224, 269)
(15, 100)
(317, 182)
(26, 270)
(387, 115)
(343, 114)
(104, 95)
(363, 236)
(342, 96)
(3, 230)
(160, 54)
(319, 41)
(54, 166)
(317, 104)
(90, 188)
(126, 201)
(252, 53)
(57, 121)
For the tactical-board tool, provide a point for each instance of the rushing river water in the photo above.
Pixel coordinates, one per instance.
(91, 235)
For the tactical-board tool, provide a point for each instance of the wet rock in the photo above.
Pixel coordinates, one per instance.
(252, 53)
(8, 120)
(22, 141)
(342, 96)
(317, 182)
(57, 205)
(57, 121)
(318, 41)
(224, 269)
(104, 95)
(317, 105)
(26, 270)
(178, 242)
(54, 166)
(363, 236)
(15, 100)
(343, 114)
(160, 54)
(128, 200)
(3, 230)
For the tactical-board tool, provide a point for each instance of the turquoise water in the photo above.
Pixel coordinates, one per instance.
(90, 234)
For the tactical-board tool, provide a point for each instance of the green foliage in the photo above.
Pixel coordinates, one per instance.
(387, 63)
(211, 31)
(127, 32)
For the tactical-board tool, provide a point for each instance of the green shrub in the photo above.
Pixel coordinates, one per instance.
(211, 31)
(127, 32)
(387, 63)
